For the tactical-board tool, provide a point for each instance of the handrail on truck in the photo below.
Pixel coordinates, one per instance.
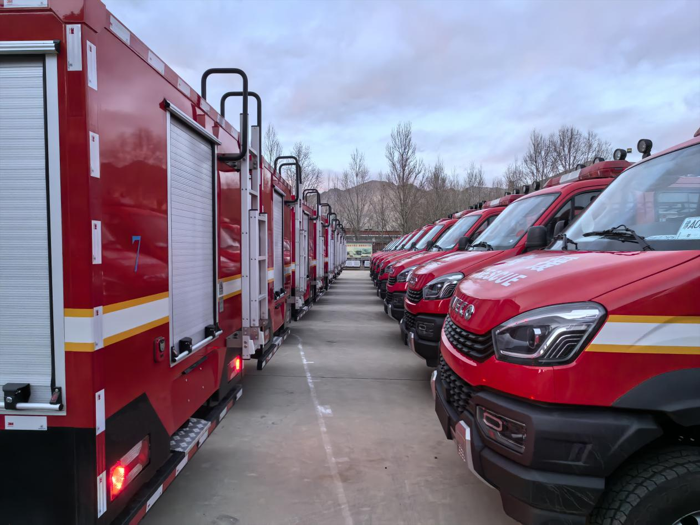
(232, 157)
(258, 122)
(314, 191)
(298, 177)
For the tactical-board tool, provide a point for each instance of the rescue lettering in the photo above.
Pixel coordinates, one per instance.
(502, 277)
(549, 263)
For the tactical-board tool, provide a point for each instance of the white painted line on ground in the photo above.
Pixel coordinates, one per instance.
(332, 463)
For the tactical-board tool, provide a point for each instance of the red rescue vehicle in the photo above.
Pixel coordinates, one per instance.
(570, 378)
(382, 275)
(134, 228)
(401, 246)
(431, 285)
(465, 227)
(392, 246)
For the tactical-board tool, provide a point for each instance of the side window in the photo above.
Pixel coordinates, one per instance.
(584, 200)
(565, 213)
(483, 227)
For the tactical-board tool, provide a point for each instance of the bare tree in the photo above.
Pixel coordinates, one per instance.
(311, 174)
(473, 186)
(437, 201)
(537, 162)
(354, 199)
(570, 147)
(272, 148)
(381, 208)
(514, 176)
(406, 175)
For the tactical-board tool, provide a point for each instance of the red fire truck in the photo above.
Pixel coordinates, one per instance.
(431, 285)
(570, 378)
(401, 246)
(394, 245)
(382, 275)
(138, 229)
(466, 226)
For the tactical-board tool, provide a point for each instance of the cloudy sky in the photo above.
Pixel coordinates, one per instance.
(474, 77)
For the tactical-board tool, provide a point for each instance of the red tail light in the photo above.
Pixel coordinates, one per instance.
(234, 367)
(128, 467)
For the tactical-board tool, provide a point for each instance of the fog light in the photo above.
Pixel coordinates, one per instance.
(503, 430)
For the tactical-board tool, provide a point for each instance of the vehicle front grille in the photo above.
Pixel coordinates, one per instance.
(478, 347)
(389, 297)
(414, 295)
(459, 392)
(409, 321)
(392, 281)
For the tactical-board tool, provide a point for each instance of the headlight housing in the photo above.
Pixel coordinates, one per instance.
(405, 274)
(553, 335)
(390, 269)
(442, 287)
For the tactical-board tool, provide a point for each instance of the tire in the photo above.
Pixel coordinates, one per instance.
(659, 487)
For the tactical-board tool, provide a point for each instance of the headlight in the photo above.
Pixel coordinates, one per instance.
(405, 274)
(442, 287)
(552, 335)
(390, 270)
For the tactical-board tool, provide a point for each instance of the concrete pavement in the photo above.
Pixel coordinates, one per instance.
(339, 428)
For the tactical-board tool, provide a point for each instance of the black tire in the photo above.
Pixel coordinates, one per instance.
(657, 488)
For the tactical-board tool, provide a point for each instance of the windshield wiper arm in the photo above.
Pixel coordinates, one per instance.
(622, 232)
(563, 238)
(483, 244)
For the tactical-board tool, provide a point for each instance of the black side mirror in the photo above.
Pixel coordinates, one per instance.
(559, 227)
(536, 238)
(463, 243)
(413, 245)
(429, 245)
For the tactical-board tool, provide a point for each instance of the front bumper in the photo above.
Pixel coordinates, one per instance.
(423, 347)
(560, 475)
(394, 308)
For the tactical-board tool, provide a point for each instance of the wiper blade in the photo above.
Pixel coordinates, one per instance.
(622, 233)
(483, 244)
(563, 238)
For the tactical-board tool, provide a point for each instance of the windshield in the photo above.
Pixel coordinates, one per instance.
(511, 225)
(657, 199)
(428, 237)
(458, 230)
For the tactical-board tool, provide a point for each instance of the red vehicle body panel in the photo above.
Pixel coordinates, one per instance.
(625, 283)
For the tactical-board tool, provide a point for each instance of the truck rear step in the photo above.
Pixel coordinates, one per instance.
(183, 445)
(272, 349)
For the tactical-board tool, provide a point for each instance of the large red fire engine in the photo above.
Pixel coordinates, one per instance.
(145, 253)
(570, 378)
(432, 284)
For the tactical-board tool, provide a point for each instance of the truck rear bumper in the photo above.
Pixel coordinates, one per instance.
(560, 474)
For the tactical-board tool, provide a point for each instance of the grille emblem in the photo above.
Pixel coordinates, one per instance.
(463, 308)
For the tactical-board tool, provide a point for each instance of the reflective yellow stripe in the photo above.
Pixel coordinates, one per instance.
(78, 312)
(227, 279)
(80, 347)
(115, 307)
(681, 319)
(640, 349)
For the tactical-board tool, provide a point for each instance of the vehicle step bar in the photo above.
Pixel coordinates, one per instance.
(184, 444)
(301, 312)
(272, 349)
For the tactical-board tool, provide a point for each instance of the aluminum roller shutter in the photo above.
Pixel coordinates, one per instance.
(191, 233)
(277, 232)
(25, 299)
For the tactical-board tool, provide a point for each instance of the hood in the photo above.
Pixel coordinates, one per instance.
(454, 262)
(416, 258)
(519, 284)
(397, 256)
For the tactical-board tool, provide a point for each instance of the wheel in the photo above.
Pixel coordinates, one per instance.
(661, 487)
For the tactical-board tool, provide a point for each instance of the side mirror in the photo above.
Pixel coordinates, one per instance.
(429, 245)
(463, 243)
(536, 238)
(413, 245)
(559, 227)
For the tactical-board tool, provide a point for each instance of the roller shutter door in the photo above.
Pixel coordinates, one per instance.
(25, 299)
(306, 247)
(278, 221)
(191, 233)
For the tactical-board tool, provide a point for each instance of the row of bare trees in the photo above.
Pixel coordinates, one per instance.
(412, 193)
